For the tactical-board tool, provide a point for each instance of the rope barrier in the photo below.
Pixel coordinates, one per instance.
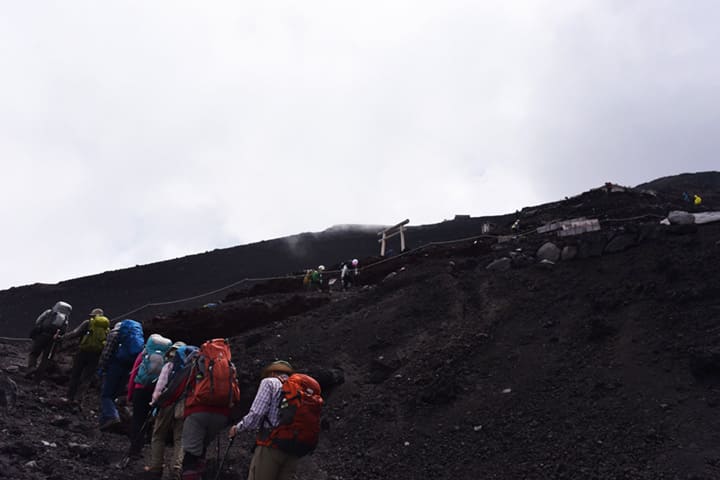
(372, 265)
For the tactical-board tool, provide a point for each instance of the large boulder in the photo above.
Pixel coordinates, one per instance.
(621, 242)
(549, 251)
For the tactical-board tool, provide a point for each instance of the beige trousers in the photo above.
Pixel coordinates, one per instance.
(272, 464)
(165, 423)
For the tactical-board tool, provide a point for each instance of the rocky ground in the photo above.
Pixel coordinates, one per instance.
(601, 365)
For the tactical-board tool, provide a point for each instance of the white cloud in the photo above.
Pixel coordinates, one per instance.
(141, 131)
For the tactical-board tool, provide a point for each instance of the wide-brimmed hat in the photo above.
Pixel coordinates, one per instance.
(278, 366)
(96, 311)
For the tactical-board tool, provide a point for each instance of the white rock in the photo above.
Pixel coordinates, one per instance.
(477, 428)
(407, 444)
(549, 251)
(507, 390)
(31, 464)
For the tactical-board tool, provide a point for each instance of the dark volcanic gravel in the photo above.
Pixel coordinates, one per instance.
(604, 366)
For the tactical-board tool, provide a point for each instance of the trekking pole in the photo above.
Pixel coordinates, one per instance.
(52, 347)
(222, 461)
(126, 459)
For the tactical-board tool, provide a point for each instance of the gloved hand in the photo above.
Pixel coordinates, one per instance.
(154, 410)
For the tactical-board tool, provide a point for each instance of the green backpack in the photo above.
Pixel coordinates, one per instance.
(94, 339)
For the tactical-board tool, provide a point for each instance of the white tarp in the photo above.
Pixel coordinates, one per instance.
(707, 217)
(579, 226)
(678, 217)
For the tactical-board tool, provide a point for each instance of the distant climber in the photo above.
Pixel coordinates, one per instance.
(686, 197)
(307, 279)
(286, 415)
(349, 273)
(94, 333)
(515, 226)
(316, 278)
(47, 332)
(697, 200)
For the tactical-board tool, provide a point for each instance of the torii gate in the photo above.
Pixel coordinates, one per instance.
(398, 229)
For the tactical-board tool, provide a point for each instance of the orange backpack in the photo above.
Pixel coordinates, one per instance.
(214, 376)
(300, 406)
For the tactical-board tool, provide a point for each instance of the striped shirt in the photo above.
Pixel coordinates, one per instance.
(264, 411)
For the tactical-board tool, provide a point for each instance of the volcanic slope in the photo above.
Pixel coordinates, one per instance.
(606, 366)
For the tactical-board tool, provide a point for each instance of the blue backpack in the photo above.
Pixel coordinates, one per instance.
(153, 359)
(130, 341)
(182, 365)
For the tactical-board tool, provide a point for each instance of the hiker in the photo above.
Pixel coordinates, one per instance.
(124, 342)
(49, 328)
(307, 279)
(168, 397)
(212, 391)
(316, 278)
(283, 437)
(686, 197)
(94, 333)
(697, 200)
(145, 371)
(348, 273)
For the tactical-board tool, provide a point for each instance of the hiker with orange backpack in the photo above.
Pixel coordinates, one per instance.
(286, 414)
(212, 391)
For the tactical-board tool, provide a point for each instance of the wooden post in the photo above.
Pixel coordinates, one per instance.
(388, 233)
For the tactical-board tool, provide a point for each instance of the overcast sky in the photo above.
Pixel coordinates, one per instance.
(135, 131)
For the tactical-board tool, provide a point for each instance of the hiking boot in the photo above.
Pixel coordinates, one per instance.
(109, 423)
(151, 474)
(191, 475)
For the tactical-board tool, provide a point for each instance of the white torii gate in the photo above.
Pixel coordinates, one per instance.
(398, 229)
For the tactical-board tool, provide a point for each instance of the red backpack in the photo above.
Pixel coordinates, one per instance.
(300, 406)
(214, 376)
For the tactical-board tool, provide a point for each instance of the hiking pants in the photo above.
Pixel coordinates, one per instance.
(82, 372)
(272, 464)
(141, 412)
(200, 429)
(165, 423)
(41, 346)
(113, 382)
